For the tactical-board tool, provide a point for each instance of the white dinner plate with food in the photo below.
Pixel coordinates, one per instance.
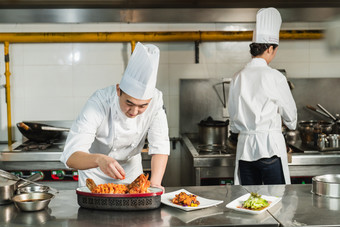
(237, 204)
(204, 202)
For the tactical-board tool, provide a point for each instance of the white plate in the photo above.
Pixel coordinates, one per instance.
(204, 203)
(237, 203)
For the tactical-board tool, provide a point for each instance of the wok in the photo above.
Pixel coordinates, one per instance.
(40, 132)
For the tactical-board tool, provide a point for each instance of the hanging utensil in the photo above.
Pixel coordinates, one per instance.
(318, 111)
(222, 99)
(328, 113)
(9, 176)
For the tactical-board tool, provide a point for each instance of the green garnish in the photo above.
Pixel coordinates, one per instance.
(255, 202)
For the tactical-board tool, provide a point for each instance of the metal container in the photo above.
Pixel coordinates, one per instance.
(142, 201)
(307, 130)
(32, 201)
(327, 185)
(211, 132)
(333, 140)
(8, 187)
(30, 189)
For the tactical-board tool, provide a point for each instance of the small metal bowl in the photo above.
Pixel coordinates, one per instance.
(32, 201)
(30, 189)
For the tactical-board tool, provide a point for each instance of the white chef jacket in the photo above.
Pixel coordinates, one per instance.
(102, 127)
(259, 100)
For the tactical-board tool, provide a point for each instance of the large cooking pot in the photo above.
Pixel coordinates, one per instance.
(8, 187)
(211, 132)
(40, 132)
(310, 129)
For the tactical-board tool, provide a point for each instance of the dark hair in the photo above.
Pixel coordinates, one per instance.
(259, 48)
(121, 91)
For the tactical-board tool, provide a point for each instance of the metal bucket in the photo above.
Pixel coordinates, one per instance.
(327, 185)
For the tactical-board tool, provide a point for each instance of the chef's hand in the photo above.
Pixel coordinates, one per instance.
(157, 186)
(111, 167)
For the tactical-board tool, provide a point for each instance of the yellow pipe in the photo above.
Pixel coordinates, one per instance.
(133, 45)
(198, 36)
(8, 94)
(149, 36)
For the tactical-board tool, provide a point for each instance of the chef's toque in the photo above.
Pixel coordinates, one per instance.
(268, 23)
(140, 76)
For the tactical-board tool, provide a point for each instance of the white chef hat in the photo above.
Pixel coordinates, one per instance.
(140, 76)
(268, 23)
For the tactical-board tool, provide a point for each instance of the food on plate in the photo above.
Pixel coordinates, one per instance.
(185, 199)
(140, 185)
(255, 202)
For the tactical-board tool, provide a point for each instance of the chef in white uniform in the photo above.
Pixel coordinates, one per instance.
(106, 139)
(259, 101)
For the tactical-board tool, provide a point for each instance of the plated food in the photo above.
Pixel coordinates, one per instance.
(140, 185)
(255, 202)
(185, 199)
(168, 198)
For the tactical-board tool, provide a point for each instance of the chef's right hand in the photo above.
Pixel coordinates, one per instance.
(111, 167)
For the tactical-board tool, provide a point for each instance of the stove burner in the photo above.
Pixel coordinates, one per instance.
(32, 145)
(212, 149)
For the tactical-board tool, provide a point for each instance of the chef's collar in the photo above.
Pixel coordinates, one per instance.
(258, 61)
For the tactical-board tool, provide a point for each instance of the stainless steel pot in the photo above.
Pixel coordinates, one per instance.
(327, 185)
(307, 130)
(211, 132)
(8, 187)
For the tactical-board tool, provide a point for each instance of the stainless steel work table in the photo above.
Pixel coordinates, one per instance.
(297, 207)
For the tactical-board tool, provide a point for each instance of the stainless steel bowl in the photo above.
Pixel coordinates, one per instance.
(32, 201)
(327, 185)
(30, 189)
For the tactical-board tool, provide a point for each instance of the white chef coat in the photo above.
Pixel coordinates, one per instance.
(102, 127)
(259, 100)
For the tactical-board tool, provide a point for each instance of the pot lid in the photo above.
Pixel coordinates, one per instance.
(211, 122)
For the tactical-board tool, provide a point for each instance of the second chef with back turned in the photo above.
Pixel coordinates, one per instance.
(106, 139)
(259, 101)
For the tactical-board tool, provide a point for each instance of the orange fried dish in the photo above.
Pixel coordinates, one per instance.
(185, 199)
(139, 185)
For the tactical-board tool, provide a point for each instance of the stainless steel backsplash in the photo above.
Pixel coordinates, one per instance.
(200, 98)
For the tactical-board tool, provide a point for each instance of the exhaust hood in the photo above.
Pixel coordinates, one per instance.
(155, 11)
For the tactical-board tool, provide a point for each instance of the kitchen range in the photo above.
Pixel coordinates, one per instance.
(203, 167)
(26, 157)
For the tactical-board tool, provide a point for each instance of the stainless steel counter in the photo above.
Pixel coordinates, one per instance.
(196, 166)
(298, 207)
